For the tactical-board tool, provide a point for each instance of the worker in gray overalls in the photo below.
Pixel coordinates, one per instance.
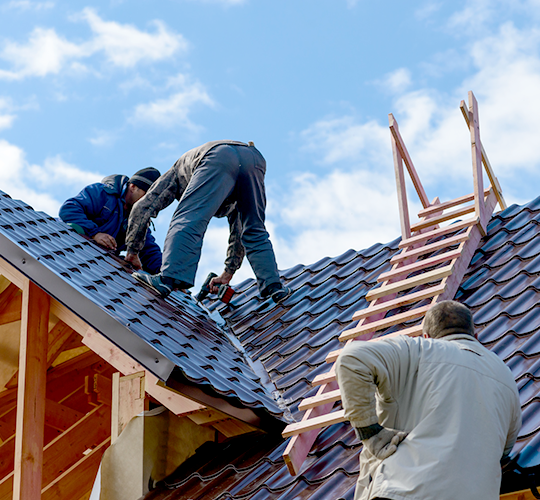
(221, 179)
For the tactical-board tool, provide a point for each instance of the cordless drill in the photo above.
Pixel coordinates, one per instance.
(224, 294)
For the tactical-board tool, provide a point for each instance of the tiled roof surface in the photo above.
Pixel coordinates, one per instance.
(178, 328)
(292, 340)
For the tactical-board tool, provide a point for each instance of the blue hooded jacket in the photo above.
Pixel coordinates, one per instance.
(99, 208)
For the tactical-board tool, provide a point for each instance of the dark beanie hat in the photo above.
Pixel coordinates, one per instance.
(145, 178)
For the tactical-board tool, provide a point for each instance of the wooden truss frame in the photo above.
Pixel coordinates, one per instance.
(67, 402)
(419, 264)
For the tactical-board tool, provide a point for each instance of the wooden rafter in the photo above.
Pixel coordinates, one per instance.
(417, 275)
(31, 394)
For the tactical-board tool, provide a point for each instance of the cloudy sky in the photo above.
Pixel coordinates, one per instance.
(112, 86)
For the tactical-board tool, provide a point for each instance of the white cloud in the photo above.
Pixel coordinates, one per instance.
(174, 110)
(397, 81)
(6, 116)
(35, 184)
(125, 46)
(341, 139)
(329, 214)
(46, 52)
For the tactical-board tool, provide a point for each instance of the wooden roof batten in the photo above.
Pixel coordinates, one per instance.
(429, 269)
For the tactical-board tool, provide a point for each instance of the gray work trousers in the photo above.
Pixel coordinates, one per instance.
(225, 171)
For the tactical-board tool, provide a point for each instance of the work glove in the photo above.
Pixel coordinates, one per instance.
(379, 441)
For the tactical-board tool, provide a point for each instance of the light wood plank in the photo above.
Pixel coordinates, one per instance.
(421, 238)
(519, 495)
(448, 204)
(298, 448)
(384, 323)
(68, 448)
(312, 402)
(394, 129)
(178, 404)
(418, 265)
(128, 400)
(400, 301)
(207, 417)
(401, 188)
(413, 331)
(491, 174)
(421, 279)
(232, 427)
(77, 479)
(31, 394)
(458, 212)
(432, 247)
(314, 423)
(476, 150)
(325, 378)
(12, 273)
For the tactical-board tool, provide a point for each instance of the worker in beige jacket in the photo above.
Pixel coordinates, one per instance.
(435, 414)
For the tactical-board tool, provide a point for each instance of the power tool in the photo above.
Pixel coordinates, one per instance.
(224, 294)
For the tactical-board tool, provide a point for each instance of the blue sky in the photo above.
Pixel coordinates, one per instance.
(90, 89)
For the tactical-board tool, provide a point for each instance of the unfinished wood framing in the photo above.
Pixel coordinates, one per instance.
(399, 286)
(31, 394)
(128, 400)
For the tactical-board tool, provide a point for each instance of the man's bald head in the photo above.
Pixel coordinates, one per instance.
(448, 318)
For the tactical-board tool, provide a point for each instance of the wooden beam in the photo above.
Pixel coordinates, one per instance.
(12, 273)
(232, 427)
(312, 402)
(178, 404)
(449, 204)
(400, 301)
(452, 228)
(384, 323)
(58, 337)
(77, 479)
(419, 265)
(408, 162)
(401, 186)
(128, 400)
(31, 394)
(476, 149)
(207, 417)
(314, 423)
(491, 174)
(421, 279)
(519, 495)
(68, 448)
(432, 247)
(11, 311)
(69, 317)
(298, 448)
(458, 212)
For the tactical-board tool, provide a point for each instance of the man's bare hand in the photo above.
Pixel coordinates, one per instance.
(224, 279)
(105, 240)
(134, 260)
(385, 443)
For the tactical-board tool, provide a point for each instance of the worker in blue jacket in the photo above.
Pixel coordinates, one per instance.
(101, 212)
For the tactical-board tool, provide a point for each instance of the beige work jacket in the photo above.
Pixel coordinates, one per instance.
(458, 401)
